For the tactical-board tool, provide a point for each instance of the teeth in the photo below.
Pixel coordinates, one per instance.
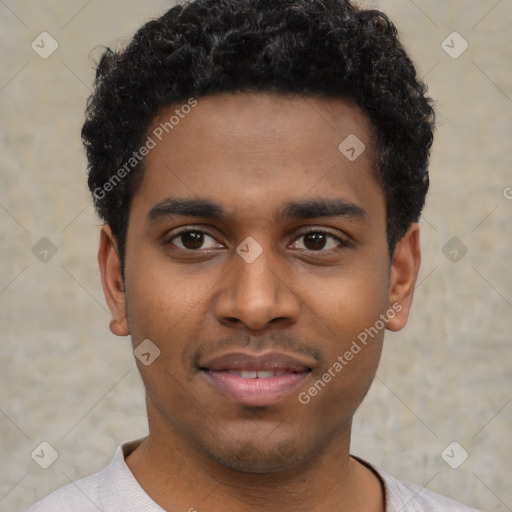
(248, 375)
(262, 374)
(265, 374)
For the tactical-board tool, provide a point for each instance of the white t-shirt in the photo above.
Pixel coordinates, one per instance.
(115, 489)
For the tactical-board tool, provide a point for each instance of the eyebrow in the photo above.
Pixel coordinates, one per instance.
(313, 208)
(303, 209)
(172, 207)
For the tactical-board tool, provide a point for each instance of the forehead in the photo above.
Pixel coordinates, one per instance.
(312, 123)
(246, 148)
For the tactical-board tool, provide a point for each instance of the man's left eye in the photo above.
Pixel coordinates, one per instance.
(319, 240)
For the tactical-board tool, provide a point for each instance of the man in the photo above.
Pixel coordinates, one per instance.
(260, 166)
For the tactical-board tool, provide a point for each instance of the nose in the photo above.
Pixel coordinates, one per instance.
(256, 295)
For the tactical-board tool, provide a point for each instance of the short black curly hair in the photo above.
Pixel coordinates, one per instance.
(328, 48)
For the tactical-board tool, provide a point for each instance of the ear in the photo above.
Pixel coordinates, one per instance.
(112, 282)
(404, 272)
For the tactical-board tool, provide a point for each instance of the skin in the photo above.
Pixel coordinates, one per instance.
(252, 154)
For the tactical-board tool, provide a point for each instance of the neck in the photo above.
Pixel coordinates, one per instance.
(179, 476)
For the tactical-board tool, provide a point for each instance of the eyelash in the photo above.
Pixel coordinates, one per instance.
(342, 242)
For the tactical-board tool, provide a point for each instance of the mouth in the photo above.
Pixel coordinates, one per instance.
(256, 380)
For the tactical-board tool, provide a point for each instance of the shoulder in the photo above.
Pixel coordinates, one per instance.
(408, 496)
(405, 496)
(82, 495)
(111, 490)
(95, 492)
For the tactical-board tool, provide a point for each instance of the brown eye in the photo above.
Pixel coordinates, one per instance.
(315, 241)
(318, 241)
(193, 240)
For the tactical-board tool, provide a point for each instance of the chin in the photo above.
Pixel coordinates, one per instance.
(254, 457)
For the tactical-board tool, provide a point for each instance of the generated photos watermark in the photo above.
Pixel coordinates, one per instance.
(152, 141)
(343, 360)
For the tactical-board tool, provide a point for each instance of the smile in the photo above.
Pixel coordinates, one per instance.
(256, 380)
(262, 374)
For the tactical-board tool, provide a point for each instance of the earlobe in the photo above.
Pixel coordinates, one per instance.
(404, 272)
(118, 328)
(112, 281)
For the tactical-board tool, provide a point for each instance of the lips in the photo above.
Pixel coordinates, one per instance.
(256, 379)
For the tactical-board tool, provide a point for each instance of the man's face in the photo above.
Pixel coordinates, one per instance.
(251, 301)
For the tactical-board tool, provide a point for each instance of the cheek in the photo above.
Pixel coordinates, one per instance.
(352, 357)
(349, 312)
(348, 301)
(162, 297)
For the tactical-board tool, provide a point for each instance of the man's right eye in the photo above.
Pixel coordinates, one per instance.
(193, 240)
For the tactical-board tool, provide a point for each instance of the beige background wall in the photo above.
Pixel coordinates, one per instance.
(67, 381)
